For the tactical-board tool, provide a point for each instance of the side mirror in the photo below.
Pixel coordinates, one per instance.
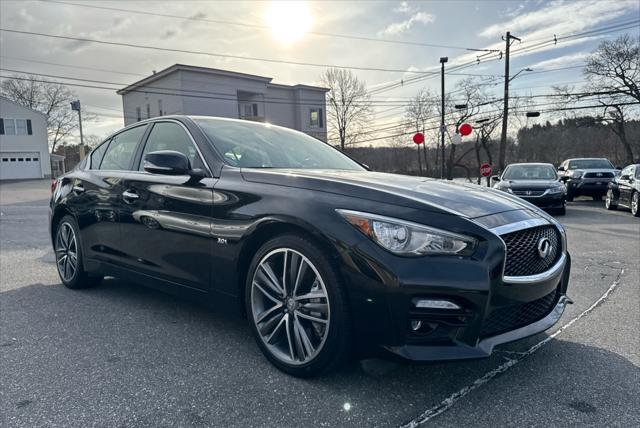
(166, 162)
(560, 168)
(495, 178)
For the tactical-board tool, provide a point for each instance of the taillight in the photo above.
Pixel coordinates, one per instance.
(54, 185)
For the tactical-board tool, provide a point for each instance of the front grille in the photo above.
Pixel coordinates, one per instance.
(598, 175)
(522, 250)
(528, 192)
(515, 316)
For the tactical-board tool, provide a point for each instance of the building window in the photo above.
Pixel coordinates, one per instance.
(248, 110)
(148, 110)
(138, 114)
(316, 119)
(10, 127)
(21, 127)
(160, 108)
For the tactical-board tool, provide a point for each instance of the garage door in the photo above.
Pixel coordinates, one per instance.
(20, 165)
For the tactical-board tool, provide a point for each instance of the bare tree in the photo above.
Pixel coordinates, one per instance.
(420, 110)
(349, 104)
(50, 98)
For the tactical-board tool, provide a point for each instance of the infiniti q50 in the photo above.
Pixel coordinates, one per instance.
(325, 259)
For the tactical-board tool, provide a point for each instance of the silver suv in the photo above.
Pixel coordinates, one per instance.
(587, 177)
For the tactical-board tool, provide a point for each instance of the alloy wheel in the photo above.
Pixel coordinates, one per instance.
(290, 306)
(66, 252)
(607, 201)
(634, 203)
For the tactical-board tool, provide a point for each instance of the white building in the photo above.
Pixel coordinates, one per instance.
(189, 90)
(24, 151)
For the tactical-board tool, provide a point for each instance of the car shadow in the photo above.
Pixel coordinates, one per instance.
(196, 366)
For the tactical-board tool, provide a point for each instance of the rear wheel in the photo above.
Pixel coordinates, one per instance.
(296, 307)
(635, 201)
(610, 201)
(68, 253)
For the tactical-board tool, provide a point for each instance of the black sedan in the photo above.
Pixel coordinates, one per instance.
(537, 183)
(625, 190)
(322, 256)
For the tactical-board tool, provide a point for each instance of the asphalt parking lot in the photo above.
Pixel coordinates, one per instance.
(124, 355)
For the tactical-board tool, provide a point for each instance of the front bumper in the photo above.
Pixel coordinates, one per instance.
(547, 202)
(588, 186)
(385, 309)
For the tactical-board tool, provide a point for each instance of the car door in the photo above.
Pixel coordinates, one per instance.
(96, 200)
(625, 185)
(166, 224)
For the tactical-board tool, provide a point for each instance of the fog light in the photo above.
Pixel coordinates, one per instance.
(435, 304)
(415, 325)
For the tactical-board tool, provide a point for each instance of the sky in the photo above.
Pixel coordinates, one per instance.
(409, 37)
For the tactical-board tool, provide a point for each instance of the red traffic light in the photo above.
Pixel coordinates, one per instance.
(418, 138)
(465, 129)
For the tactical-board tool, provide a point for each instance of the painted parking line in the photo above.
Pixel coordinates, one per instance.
(451, 400)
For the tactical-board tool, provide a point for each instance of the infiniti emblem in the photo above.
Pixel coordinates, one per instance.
(544, 248)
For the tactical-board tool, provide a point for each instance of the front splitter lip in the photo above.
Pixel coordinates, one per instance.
(484, 348)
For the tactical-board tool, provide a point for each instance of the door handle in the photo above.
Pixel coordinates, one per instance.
(78, 188)
(130, 196)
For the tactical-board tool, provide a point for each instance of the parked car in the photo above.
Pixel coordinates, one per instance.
(625, 190)
(587, 177)
(536, 183)
(323, 256)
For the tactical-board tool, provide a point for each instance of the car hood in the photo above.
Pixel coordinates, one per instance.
(462, 199)
(529, 184)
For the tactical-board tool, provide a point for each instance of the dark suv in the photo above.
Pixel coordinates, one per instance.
(587, 177)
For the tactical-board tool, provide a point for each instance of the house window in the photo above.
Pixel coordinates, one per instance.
(148, 110)
(9, 127)
(21, 127)
(138, 114)
(160, 108)
(316, 119)
(248, 110)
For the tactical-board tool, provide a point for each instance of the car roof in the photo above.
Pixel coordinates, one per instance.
(532, 164)
(572, 159)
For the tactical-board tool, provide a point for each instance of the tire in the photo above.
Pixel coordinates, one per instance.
(610, 201)
(69, 257)
(569, 197)
(635, 202)
(561, 211)
(597, 198)
(302, 336)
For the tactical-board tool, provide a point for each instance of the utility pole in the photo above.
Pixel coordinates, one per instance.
(443, 60)
(75, 105)
(505, 113)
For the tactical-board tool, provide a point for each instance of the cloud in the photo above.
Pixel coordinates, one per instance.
(405, 25)
(573, 59)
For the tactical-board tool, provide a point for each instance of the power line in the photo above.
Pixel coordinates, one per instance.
(213, 54)
(264, 27)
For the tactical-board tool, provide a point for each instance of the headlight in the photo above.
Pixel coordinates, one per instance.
(408, 239)
(575, 174)
(556, 190)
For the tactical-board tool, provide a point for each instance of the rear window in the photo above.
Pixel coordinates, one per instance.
(590, 164)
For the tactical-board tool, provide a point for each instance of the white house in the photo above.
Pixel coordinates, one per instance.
(24, 151)
(190, 90)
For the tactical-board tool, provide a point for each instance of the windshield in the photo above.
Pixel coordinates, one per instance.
(255, 145)
(590, 164)
(530, 172)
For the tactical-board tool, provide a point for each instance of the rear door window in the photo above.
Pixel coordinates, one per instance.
(121, 150)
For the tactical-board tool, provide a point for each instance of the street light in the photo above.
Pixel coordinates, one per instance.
(523, 70)
(443, 60)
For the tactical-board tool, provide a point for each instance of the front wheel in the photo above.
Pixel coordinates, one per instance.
(610, 201)
(69, 258)
(296, 306)
(635, 201)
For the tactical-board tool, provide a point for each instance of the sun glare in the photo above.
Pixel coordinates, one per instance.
(289, 20)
